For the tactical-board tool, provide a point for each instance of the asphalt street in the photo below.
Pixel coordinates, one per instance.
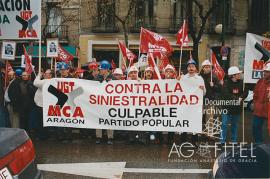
(82, 158)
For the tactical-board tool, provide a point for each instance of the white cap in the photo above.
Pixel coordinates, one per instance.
(233, 70)
(267, 66)
(149, 69)
(133, 68)
(169, 67)
(206, 62)
(118, 71)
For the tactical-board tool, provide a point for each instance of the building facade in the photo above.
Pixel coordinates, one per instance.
(97, 28)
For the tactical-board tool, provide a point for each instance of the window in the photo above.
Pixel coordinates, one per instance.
(217, 16)
(178, 14)
(259, 16)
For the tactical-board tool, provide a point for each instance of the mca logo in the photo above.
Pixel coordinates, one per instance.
(27, 20)
(65, 106)
(258, 64)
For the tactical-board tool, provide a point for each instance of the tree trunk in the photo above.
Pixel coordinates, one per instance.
(195, 52)
(125, 33)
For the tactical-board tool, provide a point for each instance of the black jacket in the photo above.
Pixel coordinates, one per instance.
(232, 91)
(211, 91)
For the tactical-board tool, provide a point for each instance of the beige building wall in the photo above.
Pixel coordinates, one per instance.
(83, 36)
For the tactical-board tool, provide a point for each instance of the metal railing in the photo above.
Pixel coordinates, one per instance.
(55, 31)
(104, 25)
(145, 22)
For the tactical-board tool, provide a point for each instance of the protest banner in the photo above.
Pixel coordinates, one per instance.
(257, 53)
(164, 105)
(20, 19)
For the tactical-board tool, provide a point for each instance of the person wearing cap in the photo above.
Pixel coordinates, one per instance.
(104, 72)
(193, 76)
(64, 71)
(133, 73)
(64, 134)
(117, 74)
(135, 136)
(148, 73)
(261, 99)
(213, 88)
(233, 93)
(92, 71)
(104, 75)
(169, 73)
(15, 98)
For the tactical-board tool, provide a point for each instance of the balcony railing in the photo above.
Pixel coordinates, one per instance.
(55, 31)
(106, 25)
(138, 22)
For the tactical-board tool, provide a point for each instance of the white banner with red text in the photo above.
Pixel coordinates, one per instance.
(150, 105)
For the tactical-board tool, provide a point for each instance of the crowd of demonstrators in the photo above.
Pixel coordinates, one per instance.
(23, 99)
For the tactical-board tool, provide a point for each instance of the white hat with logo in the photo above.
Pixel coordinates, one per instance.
(118, 71)
(206, 62)
(234, 70)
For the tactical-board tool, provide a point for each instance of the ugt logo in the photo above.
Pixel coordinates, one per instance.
(65, 106)
(27, 21)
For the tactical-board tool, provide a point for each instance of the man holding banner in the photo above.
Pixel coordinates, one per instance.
(261, 100)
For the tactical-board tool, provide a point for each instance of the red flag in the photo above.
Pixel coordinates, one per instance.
(217, 68)
(28, 62)
(164, 61)
(113, 64)
(127, 54)
(152, 63)
(154, 43)
(63, 55)
(182, 35)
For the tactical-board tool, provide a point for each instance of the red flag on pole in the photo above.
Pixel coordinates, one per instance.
(63, 55)
(127, 54)
(154, 43)
(152, 63)
(113, 64)
(182, 35)
(28, 62)
(164, 61)
(217, 69)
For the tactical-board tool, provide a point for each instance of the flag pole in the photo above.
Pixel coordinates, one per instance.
(6, 76)
(211, 66)
(39, 58)
(52, 60)
(55, 66)
(181, 51)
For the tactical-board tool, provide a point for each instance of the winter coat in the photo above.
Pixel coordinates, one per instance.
(260, 98)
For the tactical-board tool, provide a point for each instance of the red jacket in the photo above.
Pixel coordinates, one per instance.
(260, 98)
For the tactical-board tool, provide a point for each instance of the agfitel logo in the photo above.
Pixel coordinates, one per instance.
(27, 20)
(65, 106)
